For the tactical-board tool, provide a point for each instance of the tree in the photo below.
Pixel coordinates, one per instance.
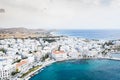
(30, 52)
(45, 57)
(3, 50)
(15, 72)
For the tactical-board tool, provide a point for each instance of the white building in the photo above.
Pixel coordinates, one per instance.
(5, 70)
(59, 55)
(22, 66)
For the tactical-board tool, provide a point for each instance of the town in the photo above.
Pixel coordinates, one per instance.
(21, 58)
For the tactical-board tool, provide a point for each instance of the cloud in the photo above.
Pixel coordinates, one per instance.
(60, 13)
(2, 10)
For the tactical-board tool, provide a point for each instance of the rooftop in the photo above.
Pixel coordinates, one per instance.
(22, 62)
(58, 52)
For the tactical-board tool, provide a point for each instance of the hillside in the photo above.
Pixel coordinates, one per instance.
(22, 33)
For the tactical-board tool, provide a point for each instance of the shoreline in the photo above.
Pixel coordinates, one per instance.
(51, 62)
(97, 49)
(45, 64)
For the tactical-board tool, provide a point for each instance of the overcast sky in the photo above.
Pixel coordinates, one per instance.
(60, 14)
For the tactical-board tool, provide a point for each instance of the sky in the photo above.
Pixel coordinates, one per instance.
(60, 14)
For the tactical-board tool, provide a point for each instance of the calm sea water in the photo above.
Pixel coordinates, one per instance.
(91, 34)
(81, 70)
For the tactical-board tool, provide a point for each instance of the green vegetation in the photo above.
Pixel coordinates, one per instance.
(44, 57)
(86, 40)
(24, 57)
(31, 70)
(117, 48)
(30, 52)
(14, 72)
(84, 56)
(35, 51)
(17, 53)
(16, 61)
(49, 40)
(59, 47)
(104, 52)
(109, 43)
(3, 50)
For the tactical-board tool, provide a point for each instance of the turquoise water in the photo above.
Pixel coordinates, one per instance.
(81, 70)
(91, 34)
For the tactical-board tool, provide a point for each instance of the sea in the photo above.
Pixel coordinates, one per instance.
(107, 34)
(83, 69)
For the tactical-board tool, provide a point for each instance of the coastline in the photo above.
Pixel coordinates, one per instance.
(47, 63)
(85, 33)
